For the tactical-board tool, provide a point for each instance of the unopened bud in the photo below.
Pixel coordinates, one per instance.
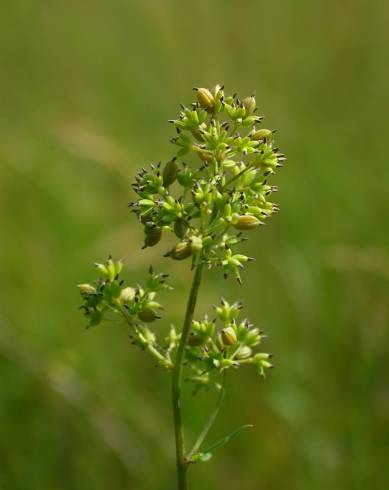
(153, 235)
(127, 295)
(180, 227)
(249, 104)
(170, 173)
(261, 134)
(228, 336)
(243, 353)
(86, 289)
(246, 222)
(195, 340)
(147, 315)
(181, 251)
(205, 98)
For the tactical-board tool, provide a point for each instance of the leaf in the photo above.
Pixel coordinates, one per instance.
(205, 456)
(227, 438)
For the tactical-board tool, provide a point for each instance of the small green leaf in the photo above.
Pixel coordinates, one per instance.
(227, 439)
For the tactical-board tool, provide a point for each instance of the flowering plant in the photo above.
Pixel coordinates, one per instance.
(208, 202)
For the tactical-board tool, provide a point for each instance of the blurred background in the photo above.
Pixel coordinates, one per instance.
(86, 89)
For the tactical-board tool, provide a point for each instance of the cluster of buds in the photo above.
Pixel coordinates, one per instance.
(208, 202)
(223, 343)
(220, 191)
(109, 296)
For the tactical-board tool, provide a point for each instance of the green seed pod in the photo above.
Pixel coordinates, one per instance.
(261, 134)
(228, 336)
(205, 98)
(86, 289)
(243, 353)
(127, 295)
(205, 155)
(196, 244)
(249, 104)
(246, 222)
(195, 340)
(147, 315)
(153, 235)
(180, 227)
(181, 251)
(197, 134)
(170, 173)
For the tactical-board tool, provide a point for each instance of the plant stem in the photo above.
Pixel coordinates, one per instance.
(182, 464)
(210, 421)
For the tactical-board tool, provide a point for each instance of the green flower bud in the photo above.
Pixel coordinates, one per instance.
(86, 289)
(246, 222)
(101, 268)
(170, 173)
(249, 104)
(111, 268)
(227, 312)
(197, 134)
(195, 340)
(147, 315)
(127, 295)
(153, 235)
(181, 251)
(261, 134)
(180, 227)
(205, 98)
(249, 121)
(243, 353)
(228, 336)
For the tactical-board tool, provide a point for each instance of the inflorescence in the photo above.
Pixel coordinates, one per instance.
(207, 202)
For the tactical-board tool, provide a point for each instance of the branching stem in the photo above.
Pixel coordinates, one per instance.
(181, 460)
(210, 421)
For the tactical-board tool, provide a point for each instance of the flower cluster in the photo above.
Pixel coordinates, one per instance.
(221, 189)
(209, 350)
(136, 306)
(223, 343)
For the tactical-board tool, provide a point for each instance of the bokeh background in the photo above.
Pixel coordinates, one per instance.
(86, 89)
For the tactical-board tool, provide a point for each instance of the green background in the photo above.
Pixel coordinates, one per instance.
(86, 89)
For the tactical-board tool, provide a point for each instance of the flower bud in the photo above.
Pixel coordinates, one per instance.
(243, 353)
(153, 235)
(197, 134)
(205, 98)
(170, 173)
(261, 134)
(228, 336)
(111, 268)
(127, 295)
(147, 315)
(86, 289)
(180, 227)
(249, 104)
(181, 251)
(246, 222)
(195, 340)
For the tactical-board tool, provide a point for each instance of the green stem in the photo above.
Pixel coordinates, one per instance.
(181, 460)
(235, 177)
(210, 421)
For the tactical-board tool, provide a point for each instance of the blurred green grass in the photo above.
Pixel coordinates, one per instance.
(86, 90)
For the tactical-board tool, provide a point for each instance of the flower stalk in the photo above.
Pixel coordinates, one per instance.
(181, 460)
